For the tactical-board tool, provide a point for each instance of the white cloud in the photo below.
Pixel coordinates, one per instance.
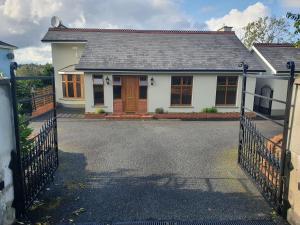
(38, 55)
(291, 3)
(29, 9)
(79, 22)
(239, 19)
(24, 22)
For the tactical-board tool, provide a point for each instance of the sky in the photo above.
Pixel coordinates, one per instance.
(24, 22)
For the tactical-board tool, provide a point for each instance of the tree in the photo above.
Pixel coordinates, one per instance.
(267, 30)
(296, 18)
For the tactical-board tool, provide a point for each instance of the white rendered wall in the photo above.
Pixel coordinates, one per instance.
(63, 55)
(7, 143)
(89, 94)
(293, 216)
(204, 94)
(159, 95)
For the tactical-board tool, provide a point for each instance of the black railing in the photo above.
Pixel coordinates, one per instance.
(265, 160)
(36, 156)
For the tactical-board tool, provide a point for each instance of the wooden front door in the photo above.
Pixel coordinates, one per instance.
(130, 95)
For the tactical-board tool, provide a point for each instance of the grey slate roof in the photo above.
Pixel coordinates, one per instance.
(279, 54)
(3, 44)
(154, 50)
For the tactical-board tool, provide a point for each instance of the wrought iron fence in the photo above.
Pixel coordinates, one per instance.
(267, 162)
(36, 156)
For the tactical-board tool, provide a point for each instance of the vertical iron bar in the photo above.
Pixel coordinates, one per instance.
(284, 170)
(243, 97)
(18, 179)
(55, 119)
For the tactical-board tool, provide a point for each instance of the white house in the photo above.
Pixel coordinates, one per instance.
(274, 58)
(6, 57)
(138, 71)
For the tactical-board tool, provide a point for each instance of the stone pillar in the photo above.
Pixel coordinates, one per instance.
(7, 143)
(294, 145)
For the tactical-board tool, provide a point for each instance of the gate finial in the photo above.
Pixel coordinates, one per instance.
(244, 66)
(290, 65)
(13, 67)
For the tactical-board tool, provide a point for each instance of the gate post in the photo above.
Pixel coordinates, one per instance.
(293, 192)
(16, 164)
(285, 153)
(243, 99)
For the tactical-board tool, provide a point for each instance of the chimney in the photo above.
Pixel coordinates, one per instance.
(225, 28)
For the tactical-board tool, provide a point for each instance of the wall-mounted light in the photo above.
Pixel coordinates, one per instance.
(107, 80)
(152, 81)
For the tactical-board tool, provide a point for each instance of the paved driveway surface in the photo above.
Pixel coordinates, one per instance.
(142, 170)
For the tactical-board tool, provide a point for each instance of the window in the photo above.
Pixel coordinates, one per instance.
(181, 90)
(226, 90)
(72, 86)
(117, 87)
(143, 87)
(98, 89)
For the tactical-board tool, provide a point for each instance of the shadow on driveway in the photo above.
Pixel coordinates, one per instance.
(78, 195)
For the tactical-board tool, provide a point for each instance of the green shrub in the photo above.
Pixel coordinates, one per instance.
(100, 111)
(159, 110)
(210, 110)
(26, 143)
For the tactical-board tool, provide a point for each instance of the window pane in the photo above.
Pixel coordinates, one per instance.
(187, 80)
(231, 95)
(143, 92)
(232, 80)
(221, 80)
(70, 77)
(97, 80)
(64, 89)
(70, 90)
(175, 95)
(78, 90)
(98, 94)
(176, 80)
(186, 95)
(117, 92)
(143, 81)
(117, 80)
(220, 96)
(77, 78)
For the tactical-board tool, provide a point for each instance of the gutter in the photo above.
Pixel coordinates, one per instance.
(163, 71)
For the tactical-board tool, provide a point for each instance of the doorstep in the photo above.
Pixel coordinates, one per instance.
(169, 116)
(119, 116)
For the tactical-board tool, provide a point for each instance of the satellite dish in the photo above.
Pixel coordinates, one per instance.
(10, 56)
(55, 21)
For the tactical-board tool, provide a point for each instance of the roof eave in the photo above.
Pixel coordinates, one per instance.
(63, 41)
(286, 71)
(11, 47)
(166, 70)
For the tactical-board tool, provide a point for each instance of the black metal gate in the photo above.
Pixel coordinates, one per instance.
(36, 156)
(267, 162)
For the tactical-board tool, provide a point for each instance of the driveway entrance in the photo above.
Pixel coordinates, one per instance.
(152, 170)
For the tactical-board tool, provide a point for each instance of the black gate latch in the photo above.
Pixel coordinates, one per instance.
(1, 185)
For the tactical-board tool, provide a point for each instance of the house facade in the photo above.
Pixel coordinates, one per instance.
(139, 71)
(274, 58)
(6, 57)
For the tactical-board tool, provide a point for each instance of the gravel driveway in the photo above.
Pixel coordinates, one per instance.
(150, 170)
